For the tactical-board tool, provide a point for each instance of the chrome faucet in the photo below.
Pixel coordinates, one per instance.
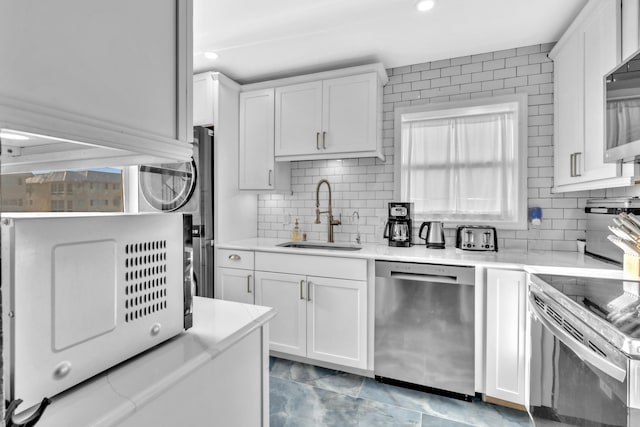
(330, 221)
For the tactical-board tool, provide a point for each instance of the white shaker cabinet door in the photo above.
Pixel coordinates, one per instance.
(287, 294)
(235, 285)
(569, 101)
(203, 99)
(589, 49)
(257, 163)
(349, 114)
(116, 73)
(298, 119)
(601, 55)
(337, 321)
(506, 330)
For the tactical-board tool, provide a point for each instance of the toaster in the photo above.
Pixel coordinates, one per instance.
(476, 238)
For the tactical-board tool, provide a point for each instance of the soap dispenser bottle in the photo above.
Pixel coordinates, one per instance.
(296, 235)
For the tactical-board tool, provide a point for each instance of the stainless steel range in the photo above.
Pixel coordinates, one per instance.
(585, 351)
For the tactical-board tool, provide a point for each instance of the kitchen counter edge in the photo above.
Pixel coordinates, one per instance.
(554, 261)
(112, 396)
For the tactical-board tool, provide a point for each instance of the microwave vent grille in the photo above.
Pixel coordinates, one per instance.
(145, 287)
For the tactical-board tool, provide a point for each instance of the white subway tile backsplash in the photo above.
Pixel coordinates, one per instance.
(451, 71)
(421, 67)
(462, 60)
(482, 57)
(482, 76)
(504, 53)
(367, 185)
(516, 61)
(526, 50)
(441, 64)
(504, 73)
(472, 68)
(493, 64)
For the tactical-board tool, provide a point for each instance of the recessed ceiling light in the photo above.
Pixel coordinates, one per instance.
(425, 5)
(16, 137)
(211, 55)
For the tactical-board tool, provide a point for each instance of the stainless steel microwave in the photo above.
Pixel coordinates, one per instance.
(622, 112)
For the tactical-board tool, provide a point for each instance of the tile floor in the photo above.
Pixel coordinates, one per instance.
(305, 395)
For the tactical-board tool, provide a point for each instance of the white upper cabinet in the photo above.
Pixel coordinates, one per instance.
(349, 114)
(630, 27)
(204, 97)
(586, 52)
(334, 116)
(257, 166)
(329, 115)
(298, 119)
(115, 76)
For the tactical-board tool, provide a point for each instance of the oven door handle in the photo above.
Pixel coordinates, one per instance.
(578, 348)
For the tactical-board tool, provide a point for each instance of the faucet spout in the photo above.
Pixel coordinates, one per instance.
(330, 221)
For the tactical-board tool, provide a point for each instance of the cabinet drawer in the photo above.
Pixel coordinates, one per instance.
(312, 265)
(235, 259)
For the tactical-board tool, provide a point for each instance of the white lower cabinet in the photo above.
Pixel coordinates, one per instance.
(286, 293)
(320, 318)
(336, 321)
(235, 285)
(506, 335)
(234, 278)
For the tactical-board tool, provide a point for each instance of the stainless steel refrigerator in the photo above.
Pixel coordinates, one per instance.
(203, 220)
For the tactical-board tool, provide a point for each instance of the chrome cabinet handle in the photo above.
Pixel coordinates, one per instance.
(317, 140)
(308, 290)
(270, 175)
(324, 140)
(571, 166)
(234, 257)
(301, 291)
(249, 283)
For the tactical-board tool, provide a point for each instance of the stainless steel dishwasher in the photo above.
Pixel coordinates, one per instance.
(424, 326)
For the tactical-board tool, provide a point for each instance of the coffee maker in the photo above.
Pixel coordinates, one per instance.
(398, 228)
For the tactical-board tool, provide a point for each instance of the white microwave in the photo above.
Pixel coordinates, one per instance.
(622, 112)
(82, 293)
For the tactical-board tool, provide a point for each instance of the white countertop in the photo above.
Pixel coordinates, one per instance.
(110, 397)
(558, 261)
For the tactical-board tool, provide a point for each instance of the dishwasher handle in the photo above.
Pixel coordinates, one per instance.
(430, 278)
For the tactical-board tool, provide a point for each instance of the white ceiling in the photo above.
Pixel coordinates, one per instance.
(259, 40)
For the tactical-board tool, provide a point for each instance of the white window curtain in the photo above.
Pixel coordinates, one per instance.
(461, 168)
(623, 116)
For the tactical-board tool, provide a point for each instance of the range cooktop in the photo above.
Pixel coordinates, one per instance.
(609, 306)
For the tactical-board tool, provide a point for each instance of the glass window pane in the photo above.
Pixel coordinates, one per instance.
(63, 191)
(461, 168)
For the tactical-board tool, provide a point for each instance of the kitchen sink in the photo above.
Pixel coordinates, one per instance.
(321, 245)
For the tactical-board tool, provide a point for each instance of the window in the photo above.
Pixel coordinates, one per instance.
(57, 188)
(41, 191)
(464, 163)
(57, 205)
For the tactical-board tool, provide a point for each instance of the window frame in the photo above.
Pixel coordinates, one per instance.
(518, 102)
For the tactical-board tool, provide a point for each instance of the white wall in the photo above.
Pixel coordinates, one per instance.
(366, 185)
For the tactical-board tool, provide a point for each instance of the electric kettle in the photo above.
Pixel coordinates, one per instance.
(434, 235)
